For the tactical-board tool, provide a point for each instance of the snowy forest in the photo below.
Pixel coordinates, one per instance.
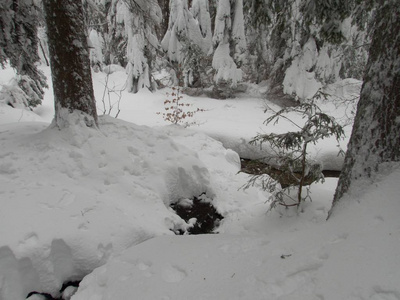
(205, 46)
(199, 149)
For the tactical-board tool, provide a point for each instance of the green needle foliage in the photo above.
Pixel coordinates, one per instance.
(293, 169)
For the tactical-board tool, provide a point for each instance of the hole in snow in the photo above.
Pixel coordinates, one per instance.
(67, 290)
(199, 213)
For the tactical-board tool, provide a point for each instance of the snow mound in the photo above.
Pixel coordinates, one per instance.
(352, 256)
(113, 68)
(9, 114)
(72, 198)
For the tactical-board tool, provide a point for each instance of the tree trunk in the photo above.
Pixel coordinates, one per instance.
(163, 26)
(69, 59)
(376, 132)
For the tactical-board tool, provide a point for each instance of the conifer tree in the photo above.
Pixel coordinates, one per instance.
(163, 26)
(131, 39)
(201, 13)
(375, 137)
(70, 65)
(229, 41)
(185, 37)
(19, 45)
(143, 44)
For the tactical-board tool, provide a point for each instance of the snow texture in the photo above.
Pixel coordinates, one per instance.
(97, 46)
(184, 28)
(225, 66)
(146, 168)
(136, 23)
(200, 11)
(90, 203)
(228, 33)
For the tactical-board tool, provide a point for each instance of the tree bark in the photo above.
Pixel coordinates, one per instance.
(163, 26)
(69, 59)
(375, 138)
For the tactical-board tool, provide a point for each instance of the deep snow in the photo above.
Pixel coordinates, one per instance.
(79, 199)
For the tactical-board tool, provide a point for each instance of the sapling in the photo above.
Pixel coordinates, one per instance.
(109, 91)
(293, 169)
(174, 109)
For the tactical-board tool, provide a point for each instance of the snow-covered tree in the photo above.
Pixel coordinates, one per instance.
(96, 21)
(96, 49)
(229, 40)
(201, 13)
(115, 39)
(19, 46)
(375, 139)
(180, 26)
(197, 54)
(125, 32)
(301, 45)
(163, 26)
(70, 65)
(257, 17)
(142, 45)
(189, 32)
(132, 39)
(355, 49)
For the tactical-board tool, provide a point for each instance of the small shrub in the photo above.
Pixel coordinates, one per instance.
(111, 91)
(293, 169)
(175, 111)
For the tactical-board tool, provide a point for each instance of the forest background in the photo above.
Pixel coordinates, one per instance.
(207, 47)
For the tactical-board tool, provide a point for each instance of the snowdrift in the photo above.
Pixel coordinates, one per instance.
(72, 198)
(354, 255)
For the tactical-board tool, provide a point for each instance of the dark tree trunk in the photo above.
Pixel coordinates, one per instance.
(69, 59)
(376, 132)
(213, 13)
(163, 26)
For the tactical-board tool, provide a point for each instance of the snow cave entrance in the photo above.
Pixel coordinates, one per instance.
(199, 212)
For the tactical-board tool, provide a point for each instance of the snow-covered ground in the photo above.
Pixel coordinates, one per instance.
(79, 200)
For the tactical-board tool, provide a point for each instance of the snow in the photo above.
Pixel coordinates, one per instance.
(137, 30)
(228, 31)
(96, 42)
(200, 11)
(223, 22)
(352, 256)
(238, 27)
(225, 65)
(94, 203)
(299, 79)
(183, 28)
(311, 68)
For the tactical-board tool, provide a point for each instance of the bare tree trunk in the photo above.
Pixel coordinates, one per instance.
(163, 26)
(376, 132)
(69, 58)
(44, 54)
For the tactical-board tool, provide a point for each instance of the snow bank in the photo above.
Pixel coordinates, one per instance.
(10, 115)
(72, 198)
(234, 122)
(299, 256)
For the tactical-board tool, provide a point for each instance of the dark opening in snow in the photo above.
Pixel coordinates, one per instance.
(67, 290)
(199, 212)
